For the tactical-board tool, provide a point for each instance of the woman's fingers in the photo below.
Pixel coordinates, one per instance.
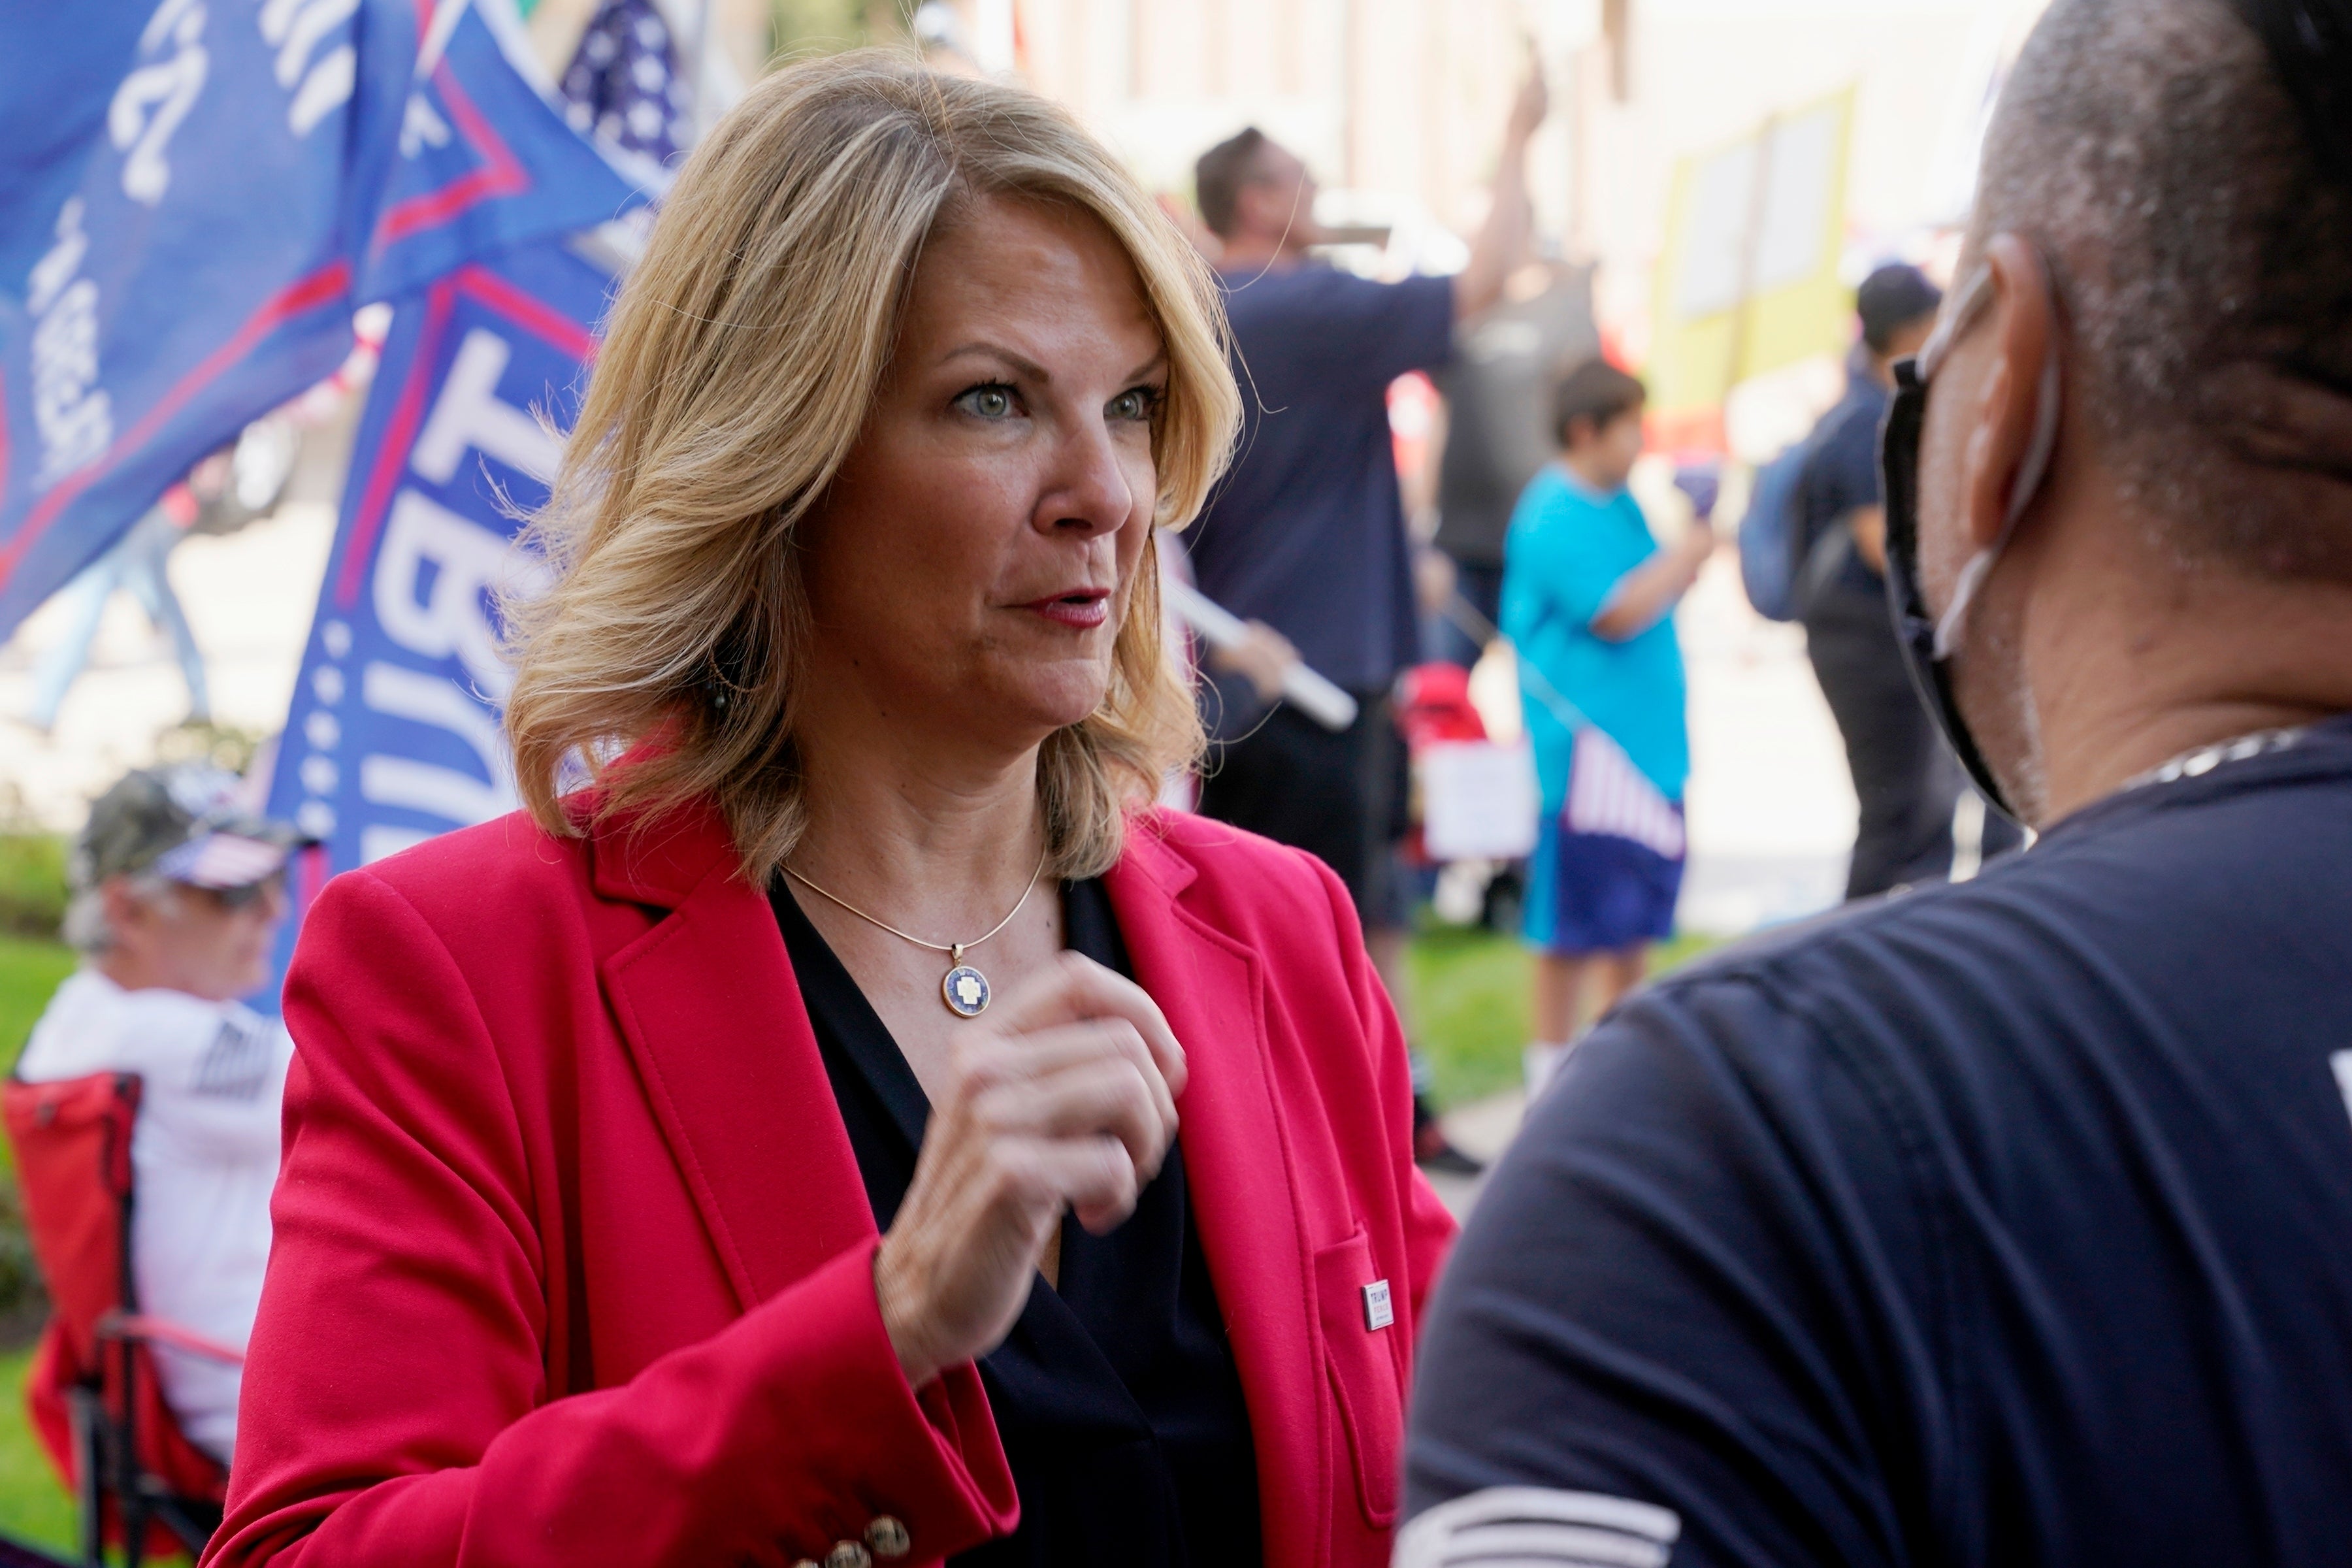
(1075, 988)
(1004, 1078)
(1093, 1175)
(1106, 1096)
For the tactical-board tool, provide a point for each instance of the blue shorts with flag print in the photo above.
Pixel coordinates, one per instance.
(1595, 892)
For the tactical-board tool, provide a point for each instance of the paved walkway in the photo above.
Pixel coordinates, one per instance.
(1483, 1127)
(248, 597)
(1771, 808)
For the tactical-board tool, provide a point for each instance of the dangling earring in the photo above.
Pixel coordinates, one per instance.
(717, 690)
(725, 677)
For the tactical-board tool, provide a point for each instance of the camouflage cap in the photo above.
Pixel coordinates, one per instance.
(187, 823)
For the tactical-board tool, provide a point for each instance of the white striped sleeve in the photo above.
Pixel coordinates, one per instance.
(1536, 1527)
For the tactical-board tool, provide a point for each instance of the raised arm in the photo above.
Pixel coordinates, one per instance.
(1502, 240)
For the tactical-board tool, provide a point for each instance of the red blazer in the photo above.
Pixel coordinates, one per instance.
(572, 1262)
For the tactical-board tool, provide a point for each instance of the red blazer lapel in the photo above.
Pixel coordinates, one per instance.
(1237, 1164)
(722, 1042)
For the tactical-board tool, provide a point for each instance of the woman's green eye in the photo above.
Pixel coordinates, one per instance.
(1133, 404)
(988, 402)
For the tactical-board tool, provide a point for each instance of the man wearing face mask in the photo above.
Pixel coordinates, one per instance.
(2004, 1223)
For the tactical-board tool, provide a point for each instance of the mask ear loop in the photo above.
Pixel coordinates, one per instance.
(2035, 468)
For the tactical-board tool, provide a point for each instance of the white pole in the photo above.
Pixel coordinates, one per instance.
(1307, 691)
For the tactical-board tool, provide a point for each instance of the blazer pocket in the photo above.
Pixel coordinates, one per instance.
(1363, 1372)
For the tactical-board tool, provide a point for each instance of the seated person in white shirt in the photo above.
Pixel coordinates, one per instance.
(177, 892)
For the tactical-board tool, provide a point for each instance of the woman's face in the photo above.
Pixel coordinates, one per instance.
(971, 564)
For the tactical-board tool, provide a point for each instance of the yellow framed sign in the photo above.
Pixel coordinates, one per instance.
(1748, 281)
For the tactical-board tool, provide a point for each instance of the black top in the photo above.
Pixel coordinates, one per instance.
(1116, 1396)
(2007, 1223)
(1498, 390)
(1306, 530)
(1841, 477)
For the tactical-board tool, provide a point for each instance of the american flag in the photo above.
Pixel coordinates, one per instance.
(623, 87)
(1607, 793)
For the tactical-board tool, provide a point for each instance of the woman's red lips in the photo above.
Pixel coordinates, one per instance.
(1082, 609)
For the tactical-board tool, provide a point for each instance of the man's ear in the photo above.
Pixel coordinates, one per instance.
(1272, 209)
(126, 911)
(2021, 319)
(1251, 202)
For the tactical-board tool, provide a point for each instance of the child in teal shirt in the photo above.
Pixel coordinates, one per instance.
(1588, 603)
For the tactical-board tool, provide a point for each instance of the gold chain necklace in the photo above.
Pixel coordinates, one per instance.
(964, 989)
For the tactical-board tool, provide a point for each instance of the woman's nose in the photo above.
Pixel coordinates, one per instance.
(1089, 490)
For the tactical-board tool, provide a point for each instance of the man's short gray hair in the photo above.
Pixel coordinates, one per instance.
(2203, 255)
(85, 927)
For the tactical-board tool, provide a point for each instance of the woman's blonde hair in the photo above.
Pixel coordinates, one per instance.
(740, 360)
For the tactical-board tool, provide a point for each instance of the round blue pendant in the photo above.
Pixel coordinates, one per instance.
(965, 991)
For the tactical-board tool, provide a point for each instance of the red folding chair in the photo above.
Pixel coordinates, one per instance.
(136, 1480)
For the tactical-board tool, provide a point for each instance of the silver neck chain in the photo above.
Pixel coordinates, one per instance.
(2205, 759)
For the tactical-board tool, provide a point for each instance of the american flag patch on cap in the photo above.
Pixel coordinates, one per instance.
(221, 861)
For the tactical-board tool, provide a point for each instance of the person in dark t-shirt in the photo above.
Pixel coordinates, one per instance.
(2005, 1222)
(1904, 781)
(1498, 435)
(1304, 536)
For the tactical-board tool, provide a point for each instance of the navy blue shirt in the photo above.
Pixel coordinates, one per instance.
(2004, 1223)
(1305, 532)
(1842, 476)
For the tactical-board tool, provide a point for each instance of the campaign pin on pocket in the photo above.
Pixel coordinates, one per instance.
(1378, 1311)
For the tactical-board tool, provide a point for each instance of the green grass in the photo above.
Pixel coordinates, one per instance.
(32, 880)
(1469, 1006)
(34, 1505)
(29, 971)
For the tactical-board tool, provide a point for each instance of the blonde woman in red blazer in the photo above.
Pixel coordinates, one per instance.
(851, 1126)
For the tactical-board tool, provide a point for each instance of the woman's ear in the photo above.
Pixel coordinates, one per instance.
(2008, 388)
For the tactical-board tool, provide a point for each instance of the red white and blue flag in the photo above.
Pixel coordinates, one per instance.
(193, 197)
(1608, 795)
(394, 734)
(623, 87)
(1607, 792)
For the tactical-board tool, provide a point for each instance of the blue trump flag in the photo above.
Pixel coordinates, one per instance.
(185, 256)
(394, 735)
